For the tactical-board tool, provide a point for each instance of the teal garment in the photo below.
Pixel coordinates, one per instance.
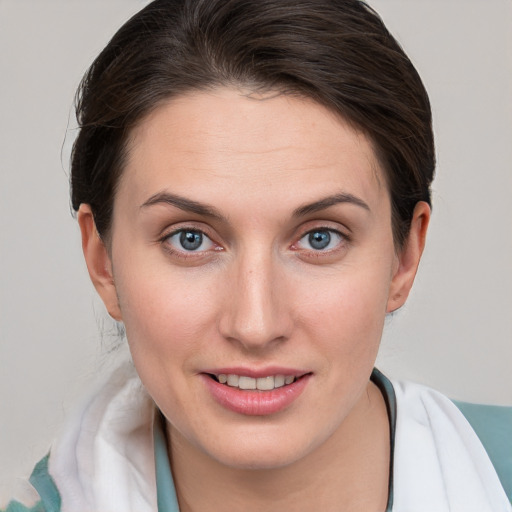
(45, 487)
(492, 424)
(386, 388)
(14, 506)
(166, 492)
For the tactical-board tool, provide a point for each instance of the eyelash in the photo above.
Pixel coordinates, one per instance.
(187, 254)
(344, 239)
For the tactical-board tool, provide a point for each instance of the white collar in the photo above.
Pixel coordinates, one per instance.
(105, 459)
(439, 463)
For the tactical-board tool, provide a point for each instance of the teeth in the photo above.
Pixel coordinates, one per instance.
(246, 383)
(265, 383)
(233, 380)
(279, 381)
(250, 383)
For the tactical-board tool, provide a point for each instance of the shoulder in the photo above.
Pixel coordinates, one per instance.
(493, 426)
(44, 496)
(16, 506)
(479, 434)
(109, 437)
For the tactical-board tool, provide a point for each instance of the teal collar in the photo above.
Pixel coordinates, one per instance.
(386, 388)
(166, 492)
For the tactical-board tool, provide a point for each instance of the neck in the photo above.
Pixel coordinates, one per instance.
(349, 471)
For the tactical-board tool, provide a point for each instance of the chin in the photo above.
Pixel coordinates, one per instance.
(258, 461)
(262, 452)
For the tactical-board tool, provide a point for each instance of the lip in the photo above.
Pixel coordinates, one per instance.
(255, 402)
(257, 373)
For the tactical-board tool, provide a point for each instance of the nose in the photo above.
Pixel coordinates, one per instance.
(257, 313)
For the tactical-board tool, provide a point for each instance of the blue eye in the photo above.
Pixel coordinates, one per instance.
(320, 240)
(190, 240)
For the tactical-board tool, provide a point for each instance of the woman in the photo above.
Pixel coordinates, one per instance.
(252, 182)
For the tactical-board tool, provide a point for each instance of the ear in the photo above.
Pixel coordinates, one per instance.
(98, 261)
(409, 258)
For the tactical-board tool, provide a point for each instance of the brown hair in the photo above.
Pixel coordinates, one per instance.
(336, 52)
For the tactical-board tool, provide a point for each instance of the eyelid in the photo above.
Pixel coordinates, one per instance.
(179, 227)
(205, 239)
(323, 225)
(322, 229)
(344, 240)
(183, 253)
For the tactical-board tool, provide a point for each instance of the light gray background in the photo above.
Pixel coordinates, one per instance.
(455, 333)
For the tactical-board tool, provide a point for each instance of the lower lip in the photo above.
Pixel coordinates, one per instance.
(254, 402)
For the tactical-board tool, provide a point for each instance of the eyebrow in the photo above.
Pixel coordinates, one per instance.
(187, 205)
(329, 201)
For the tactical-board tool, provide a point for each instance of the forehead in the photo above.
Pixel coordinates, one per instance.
(258, 144)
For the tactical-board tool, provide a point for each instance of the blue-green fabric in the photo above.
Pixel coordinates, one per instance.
(493, 426)
(386, 388)
(45, 487)
(166, 493)
(14, 506)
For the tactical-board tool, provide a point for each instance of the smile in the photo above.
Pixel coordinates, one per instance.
(265, 392)
(250, 383)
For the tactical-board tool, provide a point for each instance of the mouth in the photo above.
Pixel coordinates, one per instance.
(255, 392)
(246, 383)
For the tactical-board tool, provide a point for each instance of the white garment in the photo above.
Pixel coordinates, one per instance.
(105, 459)
(105, 462)
(440, 464)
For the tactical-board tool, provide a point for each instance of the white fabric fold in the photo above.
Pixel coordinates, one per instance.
(105, 459)
(440, 464)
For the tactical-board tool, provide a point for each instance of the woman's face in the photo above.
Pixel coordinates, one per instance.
(252, 243)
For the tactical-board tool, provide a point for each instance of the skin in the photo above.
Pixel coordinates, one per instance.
(257, 293)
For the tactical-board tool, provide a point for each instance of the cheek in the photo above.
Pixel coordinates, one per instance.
(347, 313)
(164, 313)
(165, 321)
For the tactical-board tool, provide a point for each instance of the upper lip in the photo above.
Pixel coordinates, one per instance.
(257, 373)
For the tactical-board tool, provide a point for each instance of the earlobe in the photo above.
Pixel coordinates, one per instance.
(98, 261)
(409, 258)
